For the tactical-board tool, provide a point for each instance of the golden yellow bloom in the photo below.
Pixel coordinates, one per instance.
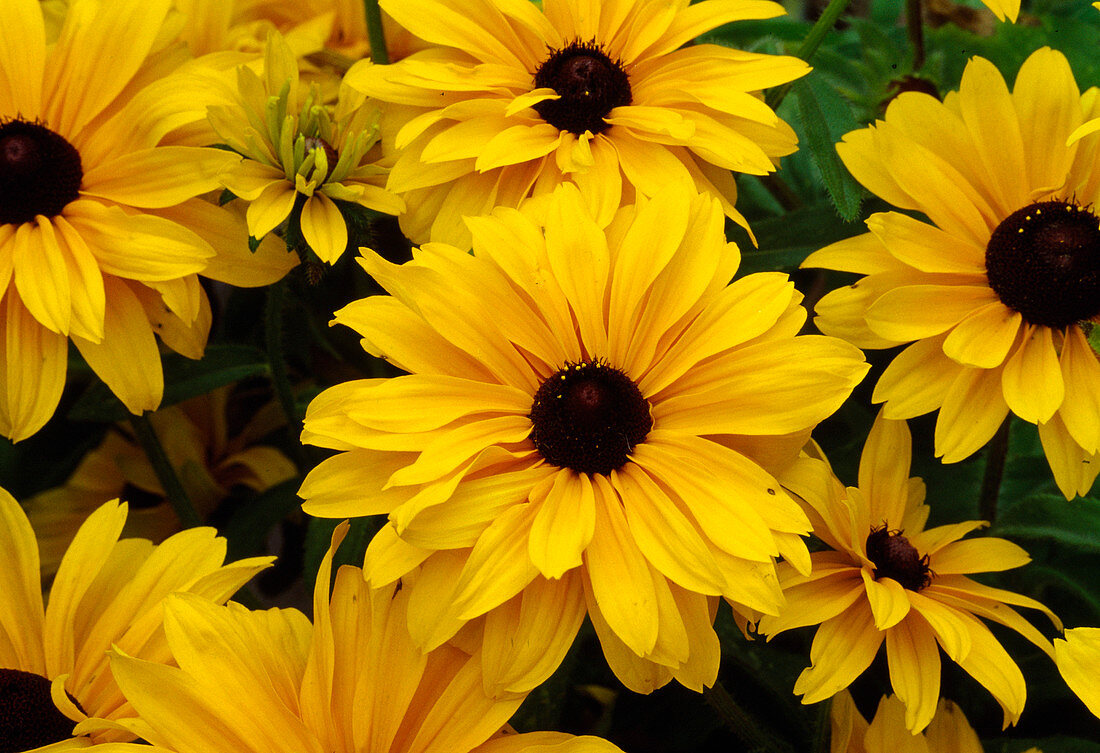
(588, 426)
(353, 682)
(100, 234)
(1077, 657)
(195, 438)
(299, 154)
(887, 579)
(512, 101)
(1000, 289)
(54, 672)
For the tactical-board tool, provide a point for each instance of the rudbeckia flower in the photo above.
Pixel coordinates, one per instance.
(100, 234)
(196, 439)
(587, 427)
(887, 579)
(999, 288)
(1077, 656)
(949, 731)
(353, 682)
(511, 101)
(299, 153)
(54, 672)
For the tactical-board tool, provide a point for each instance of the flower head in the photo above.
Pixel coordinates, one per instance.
(54, 674)
(299, 153)
(587, 428)
(511, 101)
(1000, 288)
(887, 579)
(353, 682)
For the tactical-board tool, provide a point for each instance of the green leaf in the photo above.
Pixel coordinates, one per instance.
(183, 380)
(1049, 516)
(785, 241)
(825, 117)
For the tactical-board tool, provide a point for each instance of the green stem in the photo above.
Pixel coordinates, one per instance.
(810, 44)
(378, 52)
(166, 474)
(280, 378)
(756, 740)
(995, 458)
(914, 29)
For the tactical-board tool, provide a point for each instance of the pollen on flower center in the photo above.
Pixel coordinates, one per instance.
(40, 172)
(589, 83)
(589, 417)
(1044, 262)
(896, 558)
(28, 717)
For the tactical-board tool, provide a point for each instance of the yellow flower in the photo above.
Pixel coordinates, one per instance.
(108, 592)
(584, 429)
(299, 154)
(1000, 288)
(195, 437)
(100, 234)
(1077, 657)
(949, 731)
(353, 682)
(512, 101)
(887, 579)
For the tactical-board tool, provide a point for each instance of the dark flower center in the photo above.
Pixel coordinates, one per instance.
(312, 142)
(40, 172)
(588, 417)
(896, 558)
(1044, 262)
(590, 85)
(28, 717)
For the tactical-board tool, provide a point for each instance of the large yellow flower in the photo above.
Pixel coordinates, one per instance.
(353, 682)
(1001, 285)
(300, 153)
(584, 429)
(512, 101)
(887, 579)
(1077, 656)
(108, 592)
(196, 439)
(100, 234)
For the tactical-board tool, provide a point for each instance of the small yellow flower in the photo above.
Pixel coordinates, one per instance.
(887, 579)
(300, 154)
(54, 672)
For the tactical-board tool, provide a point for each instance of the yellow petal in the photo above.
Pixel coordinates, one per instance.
(884, 467)
(842, 649)
(888, 599)
(42, 274)
(985, 337)
(979, 556)
(1074, 468)
(1032, 377)
(914, 663)
(498, 567)
(157, 177)
(1077, 658)
(270, 208)
(1080, 411)
(916, 381)
(32, 371)
(972, 411)
(21, 613)
(22, 57)
(323, 228)
(989, 664)
(517, 144)
(913, 312)
(563, 525)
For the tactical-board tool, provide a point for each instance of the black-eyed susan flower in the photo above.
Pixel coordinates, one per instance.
(1077, 656)
(352, 682)
(511, 101)
(300, 153)
(999, 287)
(888, 580)
(54, 670)
(587, 427)
(100, 234)
(948, 732)
(213, 459)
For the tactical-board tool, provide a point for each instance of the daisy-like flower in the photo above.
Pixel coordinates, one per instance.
(353, 682)
(196, 440)
(586, 428)
(97, 241)
(54, 669)
(949, 731)
(1077, 657)
(299, 153)
(511, 101)
(887, 579)
(1000, 287)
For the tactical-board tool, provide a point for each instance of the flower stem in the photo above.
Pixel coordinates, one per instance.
(166, 474)
(994, 471)
(378, 52)
(809, 45)
(756, 740)
(280, 379)
(914, 29)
